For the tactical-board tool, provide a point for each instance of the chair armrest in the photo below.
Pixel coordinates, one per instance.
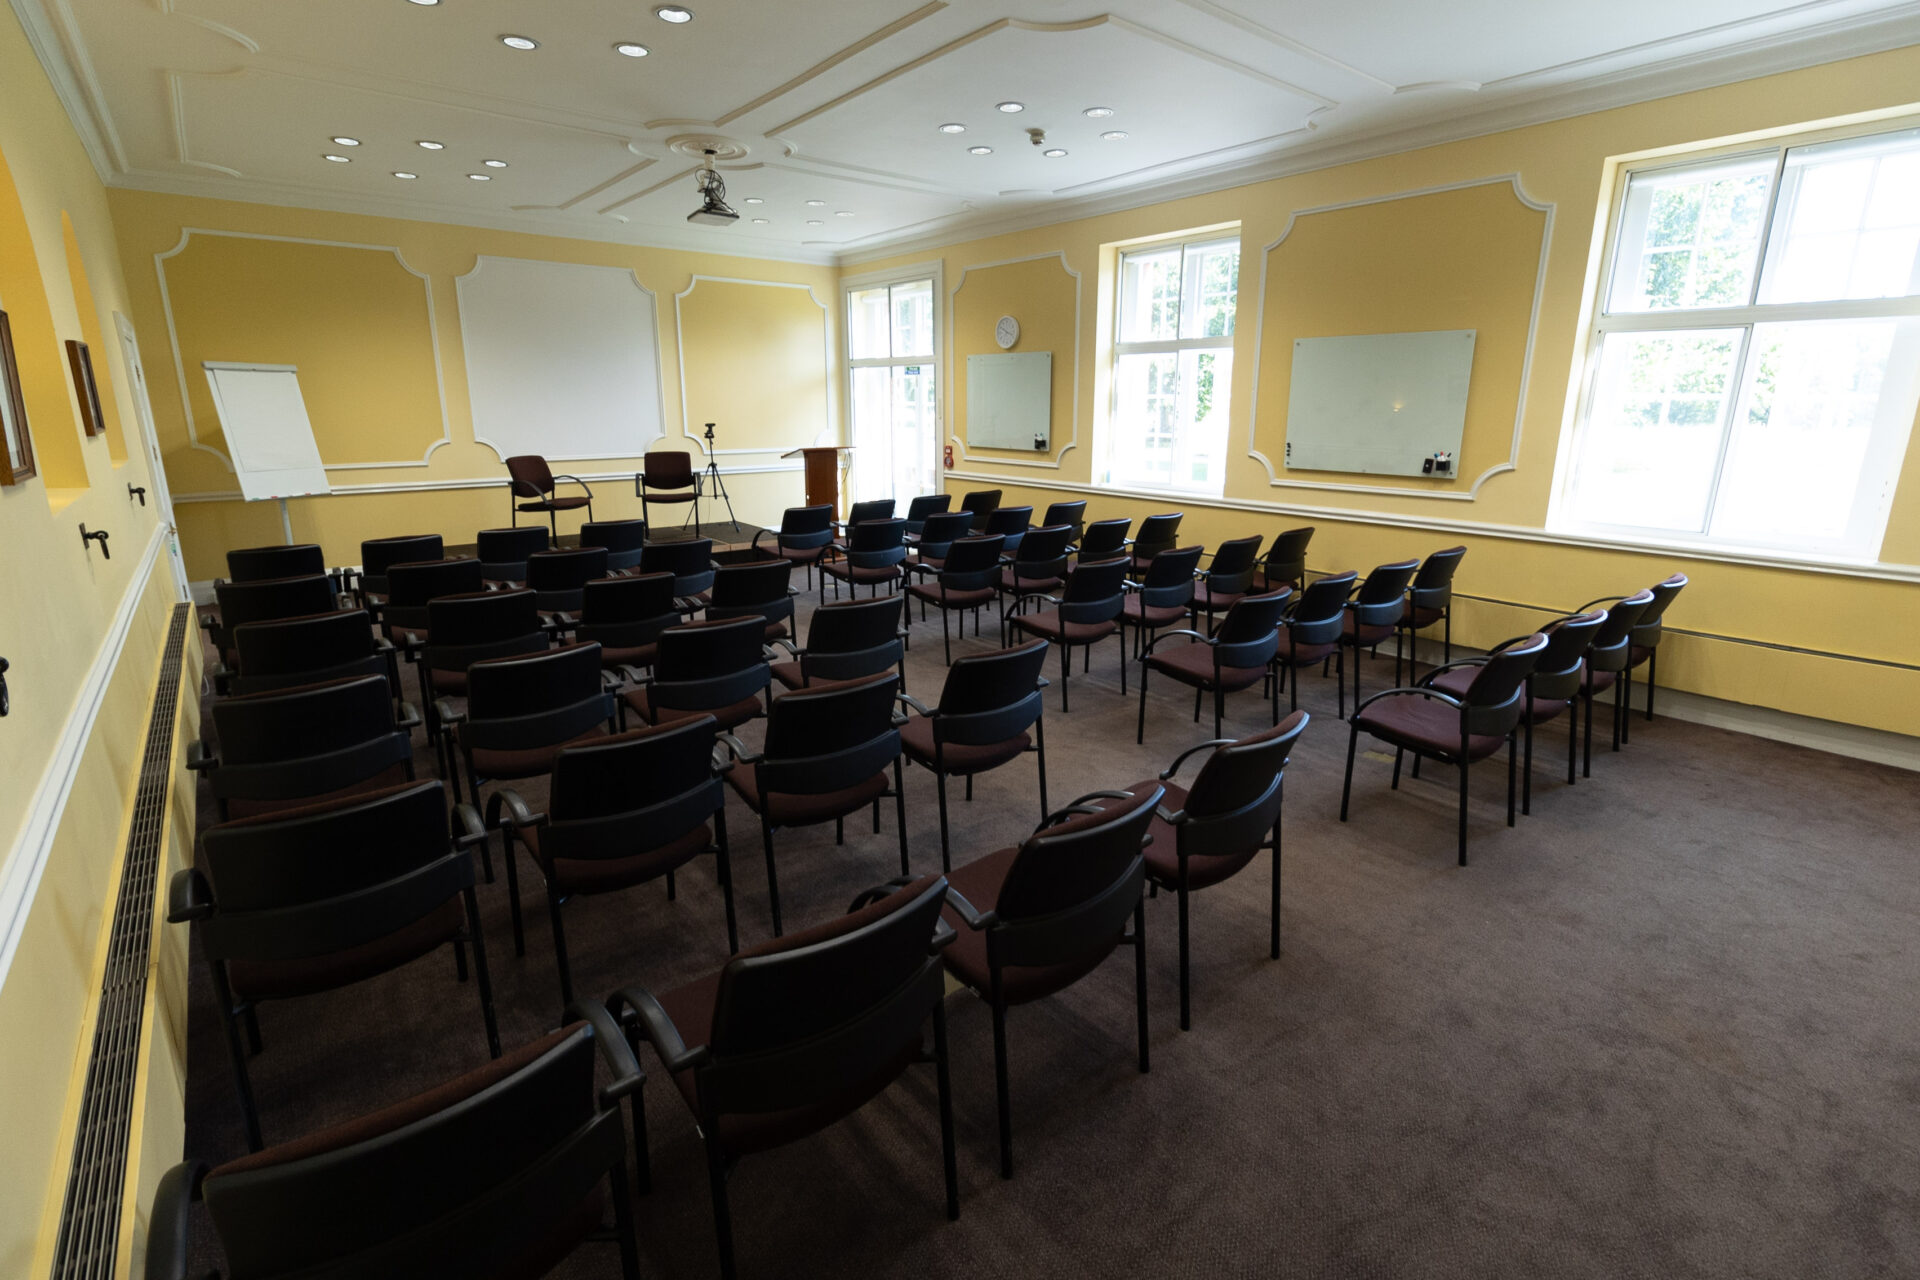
(1427, 679)
(382, 645)
(914, 702)
(564, 621)
(1435, 694)
(1041, 682)
(470, 830)
(737, 748)
(518, 814)
(199, 759)
(577, 480)
(633, 675)
(609, 681)
(209, 620)
(448, 713)
(1181, 759)
(405, 715)
(755, 544)
(167, 1225)
(975, 919)
(1020, 601)
(189, 897)
(1080, 806)
(638, 1010)
(1172, 819)
(874, 893)
(1168, 635)
(614, 1049)
(792, 649)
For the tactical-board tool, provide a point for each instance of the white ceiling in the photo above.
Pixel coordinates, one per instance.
(840, 102)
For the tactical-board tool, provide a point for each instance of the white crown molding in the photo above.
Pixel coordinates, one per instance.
(1512, 462)
(680, 349)
(1079, 296)
(55, 40)
(179, 364)
(472, 482)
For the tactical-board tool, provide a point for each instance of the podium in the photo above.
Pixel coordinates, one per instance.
(823, 473)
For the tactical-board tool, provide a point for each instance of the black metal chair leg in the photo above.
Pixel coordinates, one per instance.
(1040, 751)
(223, 996)
(722, 1216)
(1653, 670)
(1346, 788)
(1002, 1087)
(1186, 1012)
(948, 1155)
(1140, 976)
(1463, 808)
(1513, 752)
(1526, 782)
(773, 879)
(560, 948)
(1274, 947)
(623, 1221)
(724, 864)
(1140, 730)
(940, 789)
(899, 813)
(1399, 754)
(481, 980)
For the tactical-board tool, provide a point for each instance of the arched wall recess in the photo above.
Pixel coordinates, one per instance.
(1405, 300)
(957, 350)
(53, 424)
(753, 368)
(101, 352)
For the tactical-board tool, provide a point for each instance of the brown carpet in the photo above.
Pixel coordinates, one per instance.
(1664, 1027)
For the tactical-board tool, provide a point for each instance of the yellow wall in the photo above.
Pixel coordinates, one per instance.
(1046, 301)
(342, 297)
(1441, 258)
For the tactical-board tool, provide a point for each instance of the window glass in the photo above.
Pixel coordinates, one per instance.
(1848, 225)
(1690, 237)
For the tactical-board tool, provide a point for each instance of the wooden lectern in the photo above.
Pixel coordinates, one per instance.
(823, 474)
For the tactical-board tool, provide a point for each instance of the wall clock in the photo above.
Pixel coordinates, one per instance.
(1007, 332)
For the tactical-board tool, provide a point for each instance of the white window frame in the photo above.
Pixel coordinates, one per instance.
(1160, 346)
(850, 285)
(1867, 526)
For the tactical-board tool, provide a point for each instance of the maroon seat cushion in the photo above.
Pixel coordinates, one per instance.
(393, 775)
(1046, 622)
(1192, 664)
(804, 810)
(803, 555)
(1368, 635)
(279, 979)
(1458, 680)
(1301, 655)
(1424, 724)
(730, 717)
(601, 875)
(1421, 616)
(934, 593)
(916, 738)
(1638, 653)
(1136, 614)
(1204, 596)
(449, 684)
(526, 762)
(573, 503)
(966, 957)
(861, 573)
(1011, 581)
(1599, 681)
(638, 655)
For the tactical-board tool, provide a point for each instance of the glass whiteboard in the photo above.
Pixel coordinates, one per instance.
(1380, 403)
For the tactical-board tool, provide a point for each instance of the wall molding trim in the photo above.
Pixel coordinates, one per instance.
(1472, 528)
(1512, 462)
(27, 860)
(179, 364)
(680, 353)
(954, 432)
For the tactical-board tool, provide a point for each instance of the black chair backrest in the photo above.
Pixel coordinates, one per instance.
(939, 531)
(559, 577)
(1249, 635)
(622, 539)
(251, 564)
(1497, 696)
(1612, 643)
(803, 528)
(829, 737)
(304, 650)
(1433, 585)
(1287, 558)
(667, 469)
(1383, 596)
(980, 504)
(1042, 553)
(529, 476)
(624, 613)
(1095, 591)
(503, 552)
(307, 740)
(1319, 614)
(536, 700)
(1104, 538)
(377, 555)
(1646, 632)
(927, 504)
(1557, 674)
(797, 1021)
(1157, 533)
(1009, 522)
(632, 792)
(876, 509)
(689, 560)
(852, 638)
(972, 563)
(1073, 885)
(428, 1193)
(991, 697)
(412, 585)
(757, 590)
(874, 544)
(703, 666)
(1168, 581)
(465, 629)
(1072, 514)
(1235, 798)
(271, 598)
(1233, 563)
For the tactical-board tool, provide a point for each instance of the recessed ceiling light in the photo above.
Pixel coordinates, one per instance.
(953, 128)
(979, 151)
(632, 50)
(402, 173)
(1097, 113)
(519, 42)
(1114, 135)
(815, 222)
(759, 222)
(431, 146)
(816, 204)
(346, 142)
(673, 13)
(1011, 107)
(843, 213)
(494, 164)
(337, 159)
(424, 3)
(755, 200)
(1054, 152)
(481, 177)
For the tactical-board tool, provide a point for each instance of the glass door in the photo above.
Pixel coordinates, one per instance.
(894, 396)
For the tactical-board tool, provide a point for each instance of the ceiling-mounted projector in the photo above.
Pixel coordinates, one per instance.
(713, 209)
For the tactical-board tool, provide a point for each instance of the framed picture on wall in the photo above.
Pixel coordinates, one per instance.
(16, 446)
(80, 362)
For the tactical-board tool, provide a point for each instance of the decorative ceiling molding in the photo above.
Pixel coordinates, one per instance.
(1287, 42)
(821, 68)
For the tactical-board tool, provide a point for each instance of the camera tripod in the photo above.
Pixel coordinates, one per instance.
(712, 473)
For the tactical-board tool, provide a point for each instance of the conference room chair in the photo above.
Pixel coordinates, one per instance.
(1310, 635)
(989, 703)
(427, 1186)
(827, 754)
(1157, 533)
(847, 640)
(377, 555)
(306, 745)
(1236, 656)
(1207, 834)
(465, 629)
(558, 578)
(410, 586)
(874, 555)
(1086, 610)
(251, 564)
(1036, 567)
(1430, 600)
(1374, 613)
(804, 536)
(918, 509)
(1104, 539)
(715, 667)
(311, 649)
(668, 476)
(761, 590)
(623, 812)
(980, 504)
(1451, 730)
(1010, 523)
(532, 487)
(1608, 663)
(266, 600)
(964, 579)
(519, 713)
(622, 539)
(799, 1032)
(1162, 596)
(1646, 642)
(1073, 514)
(320, 898)
(861, 512)
(625, 617)
(1227, 578)
(1032, 920)
(503, 553)
(1285, 564)
(939, 532)
(690, 561)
